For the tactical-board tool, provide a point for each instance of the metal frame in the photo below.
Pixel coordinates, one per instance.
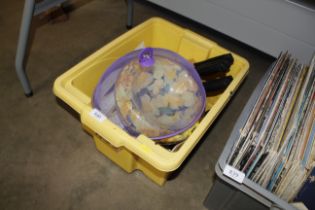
(31, 8)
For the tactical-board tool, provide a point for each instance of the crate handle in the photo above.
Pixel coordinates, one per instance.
(95, 121)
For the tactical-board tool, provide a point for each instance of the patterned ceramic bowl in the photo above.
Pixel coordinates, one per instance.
(152, 91)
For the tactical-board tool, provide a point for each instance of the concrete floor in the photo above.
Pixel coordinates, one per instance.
(48, 162)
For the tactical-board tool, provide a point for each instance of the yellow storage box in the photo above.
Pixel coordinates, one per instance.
(76, 86)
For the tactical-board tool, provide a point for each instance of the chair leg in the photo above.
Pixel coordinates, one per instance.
(130, 14)
(22, 46)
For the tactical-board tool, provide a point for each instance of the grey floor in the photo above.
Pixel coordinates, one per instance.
(48, 162)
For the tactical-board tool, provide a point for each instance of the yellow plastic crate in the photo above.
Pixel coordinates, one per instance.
(76, 86)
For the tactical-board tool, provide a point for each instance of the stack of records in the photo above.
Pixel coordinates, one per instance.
(276, 147)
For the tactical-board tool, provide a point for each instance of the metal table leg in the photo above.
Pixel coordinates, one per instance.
(22, 46)
(129, 14)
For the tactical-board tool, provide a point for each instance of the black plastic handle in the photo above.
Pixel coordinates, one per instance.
(220, 63)
(217, 84)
